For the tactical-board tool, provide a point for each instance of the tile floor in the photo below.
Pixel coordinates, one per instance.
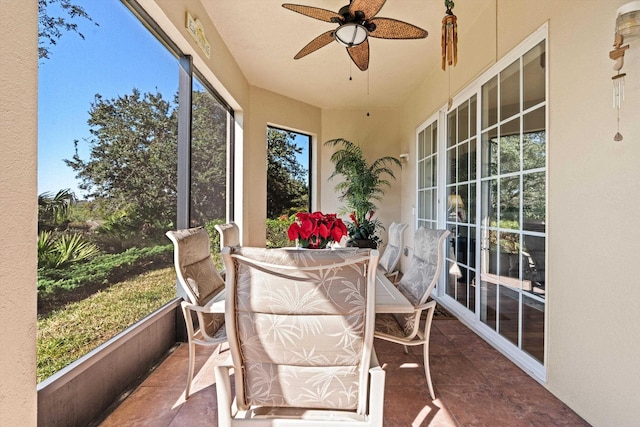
(474, 385)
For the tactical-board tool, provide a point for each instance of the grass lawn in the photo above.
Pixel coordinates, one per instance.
(66, 334)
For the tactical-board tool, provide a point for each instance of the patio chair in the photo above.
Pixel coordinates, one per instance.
(203, 287)
(229, 234)
(391, 256)
(416, 285)
(300, 325)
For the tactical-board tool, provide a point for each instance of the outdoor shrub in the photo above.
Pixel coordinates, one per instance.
(277, 232)
(214, 236)
(123, 230)
(58, 251)
(102, 270)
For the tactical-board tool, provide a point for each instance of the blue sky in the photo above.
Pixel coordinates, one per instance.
(115, 57)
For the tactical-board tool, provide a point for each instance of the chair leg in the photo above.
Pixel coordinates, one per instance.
(427, 371)
(192, 365)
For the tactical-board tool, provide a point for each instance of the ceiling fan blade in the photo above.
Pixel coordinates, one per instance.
(315, 44)
(387, 28)
(368, 7)
(360, 55)
(314, 12)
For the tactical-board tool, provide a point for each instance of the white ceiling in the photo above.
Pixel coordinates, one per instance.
(264, 37)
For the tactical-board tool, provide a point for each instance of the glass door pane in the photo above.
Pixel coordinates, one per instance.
(427, 176)
(461, 203)
(513, 203)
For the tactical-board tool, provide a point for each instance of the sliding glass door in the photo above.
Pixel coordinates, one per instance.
(493, 200)
(513, 202)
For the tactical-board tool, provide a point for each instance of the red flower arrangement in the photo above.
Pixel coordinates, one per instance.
(316, 230)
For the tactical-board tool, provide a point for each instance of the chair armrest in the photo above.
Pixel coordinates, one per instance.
(216, 305)
(426, 305)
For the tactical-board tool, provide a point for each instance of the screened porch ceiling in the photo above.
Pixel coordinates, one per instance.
(264, 37)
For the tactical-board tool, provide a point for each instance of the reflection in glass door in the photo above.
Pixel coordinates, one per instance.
(461, 203)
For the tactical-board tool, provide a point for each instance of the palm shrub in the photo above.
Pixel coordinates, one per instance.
(53, 209)
(363, 184)
(65, 249)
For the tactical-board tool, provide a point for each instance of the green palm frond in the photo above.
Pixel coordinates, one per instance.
(54, 208)
(363, 182)
(59, 251)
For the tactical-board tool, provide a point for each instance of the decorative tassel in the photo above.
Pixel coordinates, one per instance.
(449, 36)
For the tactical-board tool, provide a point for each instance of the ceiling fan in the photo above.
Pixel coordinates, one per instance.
(356, 23)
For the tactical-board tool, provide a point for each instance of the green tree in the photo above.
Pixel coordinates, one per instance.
(208, 159)
(133, 158)
(132, 167)
(287, 188)
(51, 26)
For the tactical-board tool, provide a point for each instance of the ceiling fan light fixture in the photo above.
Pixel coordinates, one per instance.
(351, 34)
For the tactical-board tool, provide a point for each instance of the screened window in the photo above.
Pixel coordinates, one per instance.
(210, 155)
(108, 173)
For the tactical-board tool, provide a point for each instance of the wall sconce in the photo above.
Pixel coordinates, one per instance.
(628, 21)
(404, 157)
(627, 28)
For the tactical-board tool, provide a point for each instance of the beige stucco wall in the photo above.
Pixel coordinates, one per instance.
(18, 212)
(592, 344)
(220, 68)
(593, 188)
(266, 109)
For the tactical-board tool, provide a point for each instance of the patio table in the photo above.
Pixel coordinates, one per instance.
(388, 298)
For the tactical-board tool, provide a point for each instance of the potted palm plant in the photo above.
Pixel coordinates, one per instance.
(363, 184)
